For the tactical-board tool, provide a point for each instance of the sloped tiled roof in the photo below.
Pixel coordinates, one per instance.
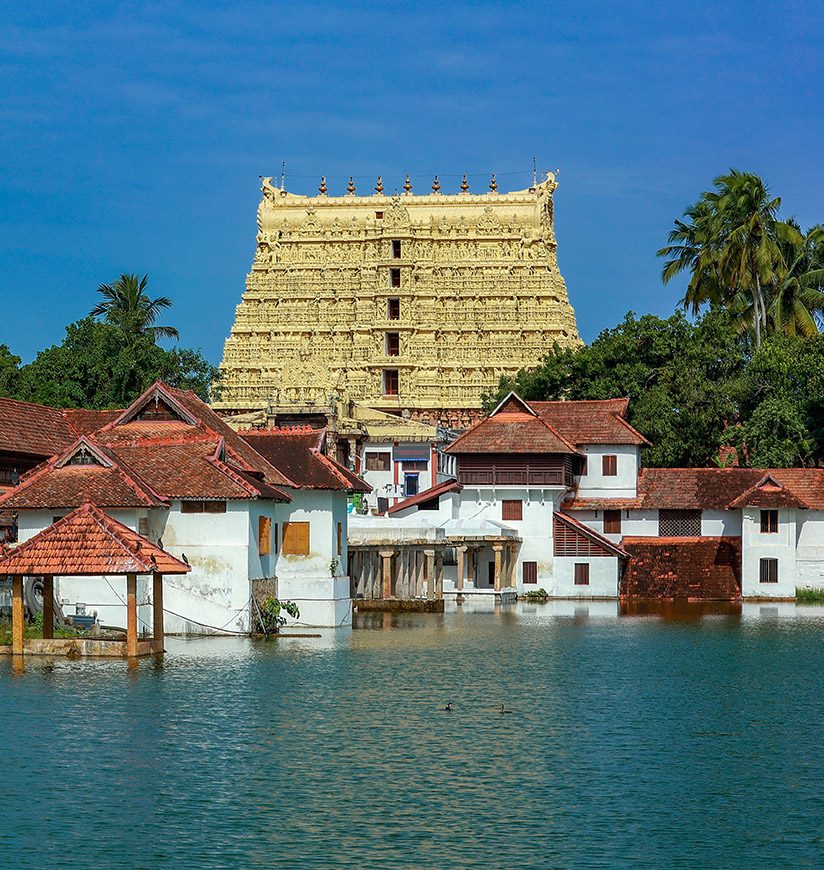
(590, 421)
(513, 427)
(85, 422)
(88, 542)
(296, 453)
(717, 489)
(428, 494)
(589, 534)
(55, 484)
(34, 430)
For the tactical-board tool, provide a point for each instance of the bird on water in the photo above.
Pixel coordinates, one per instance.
(448, 707)
(504, 710)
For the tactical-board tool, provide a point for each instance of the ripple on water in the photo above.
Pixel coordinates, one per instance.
(633, 741)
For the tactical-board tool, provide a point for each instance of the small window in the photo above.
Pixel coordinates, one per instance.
(582, 574)
(530, 573)
(275, 539)
(414, 465)
(768, 571)
(411, 484)
(390, 382)
(609, 465)
(769, 522)
(295, 539)
(214, 507)
(394, 277)
(191, 507)
(512, 509)
(340, 538)
(264, 536)
(202, 506)
(379, 461)
(378, 215)
(396, 249)
(393, 344)
(612, 522)
(393, 309)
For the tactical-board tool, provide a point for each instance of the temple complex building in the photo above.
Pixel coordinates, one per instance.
(409, 304)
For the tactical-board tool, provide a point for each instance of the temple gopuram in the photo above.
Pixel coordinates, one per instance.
(409, 304)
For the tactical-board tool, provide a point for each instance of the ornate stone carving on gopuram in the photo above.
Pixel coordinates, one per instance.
(403, 302)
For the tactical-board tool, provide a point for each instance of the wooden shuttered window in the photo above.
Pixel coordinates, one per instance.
(379, 461)
(609, 465)
(340, 538)
(530, 573)
(390, 382)
(264, 536)
(769, 522)
(295, 539)
(393, 309)
(612, 522)
(768, 571)
(582, 573)
(512, 509)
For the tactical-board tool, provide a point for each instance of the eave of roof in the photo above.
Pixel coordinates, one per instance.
(574, 524)
(428, 494)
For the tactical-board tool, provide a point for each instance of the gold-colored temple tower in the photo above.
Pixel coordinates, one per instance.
(406, 303)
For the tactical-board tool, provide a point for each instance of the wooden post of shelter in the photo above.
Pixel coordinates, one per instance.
(48, 607)
(498, 550)
(131, 614)
(387, 555)
(439, 576)
(157, 611)
(18, 619)
(430, 574)
(461, 557)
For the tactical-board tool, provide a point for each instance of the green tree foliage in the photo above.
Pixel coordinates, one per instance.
(94, 368)
(694, 387)
(9, 371)
(765, 272)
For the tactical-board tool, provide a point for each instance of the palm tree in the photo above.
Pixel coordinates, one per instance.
(728, 245)
(126, 305)
(797, 299)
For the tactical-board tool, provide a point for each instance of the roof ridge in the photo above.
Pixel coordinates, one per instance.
(332, 465)
(232, 475)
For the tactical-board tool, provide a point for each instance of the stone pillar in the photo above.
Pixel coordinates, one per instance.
(387, 555)
(430, 574)
(439, 576)
(498, 550)
(131, 614)
(48, 607)
(461, 554)
(18, 618)
(472, 566)
(157, 611)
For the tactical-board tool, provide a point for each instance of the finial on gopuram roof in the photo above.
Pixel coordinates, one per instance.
(464, 185)
(350, 188)
(493, 184)
(322, 188)
(379, 185)
(407, 185)
(436, 185)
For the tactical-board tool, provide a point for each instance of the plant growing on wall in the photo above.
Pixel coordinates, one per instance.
(334, 566)
(270, 613)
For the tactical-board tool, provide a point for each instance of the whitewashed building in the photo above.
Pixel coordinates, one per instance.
(172, 470)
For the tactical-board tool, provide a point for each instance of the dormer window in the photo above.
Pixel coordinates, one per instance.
(83, 456)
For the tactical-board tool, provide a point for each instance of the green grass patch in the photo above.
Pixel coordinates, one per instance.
(809, 596)
(35, 630)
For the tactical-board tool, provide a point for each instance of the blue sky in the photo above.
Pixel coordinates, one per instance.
(133, 134)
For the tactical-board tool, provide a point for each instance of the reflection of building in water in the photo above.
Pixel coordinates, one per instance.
(404, 303)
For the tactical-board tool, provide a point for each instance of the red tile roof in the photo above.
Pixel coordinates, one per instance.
(296, 453)
(433, 492)
(88, 542)
(717, 489)
(703, 568)
(598, 421)
(34, 430)
(513, 427)
(85, 422)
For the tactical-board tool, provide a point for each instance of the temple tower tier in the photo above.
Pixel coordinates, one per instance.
(412, 304)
